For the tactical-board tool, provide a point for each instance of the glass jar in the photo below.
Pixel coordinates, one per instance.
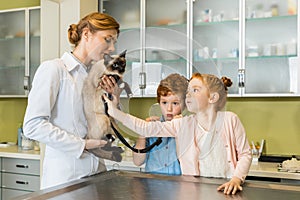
(27, 144)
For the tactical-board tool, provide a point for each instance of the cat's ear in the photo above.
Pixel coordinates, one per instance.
(123, 54)
(107, 58)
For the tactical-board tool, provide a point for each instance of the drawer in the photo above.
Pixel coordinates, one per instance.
(9, 194)
(21, 166)
(20, 182)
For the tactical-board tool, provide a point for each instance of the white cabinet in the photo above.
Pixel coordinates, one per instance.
(271, 38)
(19, 176)
(155, 36)
(0, 178)
(19, 50)
(216, 44)
(249, 41)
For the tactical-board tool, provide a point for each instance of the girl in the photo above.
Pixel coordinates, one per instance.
(210, 142)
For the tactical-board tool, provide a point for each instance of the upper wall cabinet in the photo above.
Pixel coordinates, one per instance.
(155, 36)
(19, 50)
(253, 42)
(270, 43)
(216, 39)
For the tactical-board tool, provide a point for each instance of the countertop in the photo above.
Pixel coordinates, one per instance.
(268, 169)
(13, 151)
(135, 185)
(258, 169)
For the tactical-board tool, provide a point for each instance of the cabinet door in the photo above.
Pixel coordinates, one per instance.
(154, 34)
(216, 39)
(12, 52)
(165, 41)
(34, 42)
(127, 13)
(19, 49)
(270, 40)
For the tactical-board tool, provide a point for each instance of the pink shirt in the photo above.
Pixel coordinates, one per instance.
(186, 129)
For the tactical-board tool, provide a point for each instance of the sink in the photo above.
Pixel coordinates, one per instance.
(275, 158)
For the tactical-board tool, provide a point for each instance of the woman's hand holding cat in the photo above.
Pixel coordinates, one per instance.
(93, 143)
(108, 83)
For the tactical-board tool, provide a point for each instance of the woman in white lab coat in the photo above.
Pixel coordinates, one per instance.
(54, 114)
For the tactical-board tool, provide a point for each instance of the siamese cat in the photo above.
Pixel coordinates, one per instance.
(99, 125)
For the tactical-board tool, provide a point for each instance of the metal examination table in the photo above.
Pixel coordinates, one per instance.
(127, 185)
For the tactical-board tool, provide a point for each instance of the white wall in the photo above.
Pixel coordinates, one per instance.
(56, 17)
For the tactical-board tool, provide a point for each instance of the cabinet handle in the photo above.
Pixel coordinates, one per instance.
(22, 166)
(241, 78)
(26, 82)
(142, 80)
(22, 182)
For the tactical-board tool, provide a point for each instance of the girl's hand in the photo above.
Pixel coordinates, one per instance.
(110, 104)
(232, 186)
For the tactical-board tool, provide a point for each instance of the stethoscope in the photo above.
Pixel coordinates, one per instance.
(111, 138)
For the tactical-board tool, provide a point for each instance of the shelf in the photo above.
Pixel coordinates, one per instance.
(168, 25)
(228, 59)
(171, 26)
(166, 61)
(35, 36)
(129, 29)
(11, 38)
(11, 67)
(272, 18)
(270, 57)
(216, 23)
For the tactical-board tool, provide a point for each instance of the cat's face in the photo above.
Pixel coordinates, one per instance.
(115, 63)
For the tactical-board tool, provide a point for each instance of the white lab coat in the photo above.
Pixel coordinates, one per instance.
(55, 117)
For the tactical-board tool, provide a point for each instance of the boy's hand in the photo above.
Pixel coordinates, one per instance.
(152, 118)
(178, 116)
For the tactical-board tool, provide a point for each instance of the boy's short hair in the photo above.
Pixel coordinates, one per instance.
(175, 84)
